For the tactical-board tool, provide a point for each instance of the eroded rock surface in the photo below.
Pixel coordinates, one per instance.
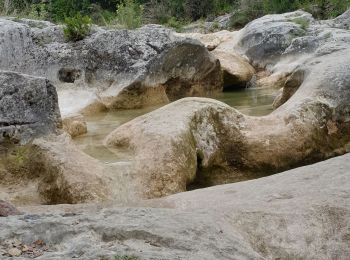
(303, 213)
(38, 165)
(74, 125)
(237, 72)
(118, 68)
(206, 142)
(28, 107)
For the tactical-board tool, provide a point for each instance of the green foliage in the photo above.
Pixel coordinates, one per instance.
(195, 9)
(129, 14)
(173, 13)
(215, 26)
(323, 9)
(175, 24)
(77, 27)
(38, 11)
(278, 6)
(60, 9)
(304, 23)
(223, 6)
(248, 10)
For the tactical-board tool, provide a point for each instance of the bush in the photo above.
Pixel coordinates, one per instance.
(304, 23)
(129, 14)
(60, 9)
(77, 27)
(175, 24)
(278, 6)
(196, 9)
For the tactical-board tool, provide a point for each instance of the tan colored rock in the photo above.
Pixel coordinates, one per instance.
(202, 142)
(52, 170)
(212, 40)
(14, 252)
(74, 125)
(275, 80)
(68, 175)
(275, 217)
(237, 72)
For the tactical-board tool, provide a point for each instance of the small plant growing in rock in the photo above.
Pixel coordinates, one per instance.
(77, 27)
(304, 24)
(215, 26)
(174, 23)
(129, 14)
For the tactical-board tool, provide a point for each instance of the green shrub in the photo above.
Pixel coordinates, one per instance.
(304, 23)
(129, 14)
(175, 24)
(195, 9)
(223, 6)
(278, 6)
(77, 27)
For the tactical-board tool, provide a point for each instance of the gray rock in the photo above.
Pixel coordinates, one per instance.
(343, 21)
(303, 213)
(265, 39)
(205, 142)
(28, 107)
(124, 68)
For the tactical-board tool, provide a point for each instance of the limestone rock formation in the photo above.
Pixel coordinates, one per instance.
(202, 142)
(51, 170)
(28, 107)
(303, 213)
(74, 125)
(118, 68)
(36, 164)
(265, 39)
(237, 72)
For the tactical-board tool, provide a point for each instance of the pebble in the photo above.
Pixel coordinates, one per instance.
(14, 252)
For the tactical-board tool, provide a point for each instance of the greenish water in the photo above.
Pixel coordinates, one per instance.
(254, 102)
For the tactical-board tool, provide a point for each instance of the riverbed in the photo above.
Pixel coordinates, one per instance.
(254, 102)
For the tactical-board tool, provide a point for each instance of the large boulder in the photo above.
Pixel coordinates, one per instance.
(28, 107)
(265, 39)
(300, 214)
(199, 142)
(37, 164)
(237, 72)
(117, 68)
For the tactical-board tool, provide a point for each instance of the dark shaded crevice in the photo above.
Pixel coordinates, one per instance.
(69, 75)
(232, 83)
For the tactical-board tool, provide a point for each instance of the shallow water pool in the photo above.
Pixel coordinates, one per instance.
(254, 102)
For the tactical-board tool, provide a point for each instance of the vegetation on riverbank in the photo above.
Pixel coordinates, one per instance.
(173, 13)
